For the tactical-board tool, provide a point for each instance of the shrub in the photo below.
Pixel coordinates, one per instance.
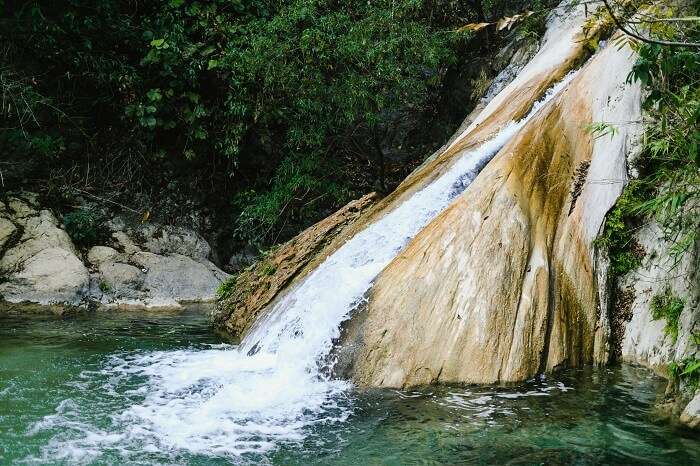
(83, 227)
(669, 307)
(248, 87)
(618, 229)
(668, 187)
(687, 370)
(104, 286)
(226, 288)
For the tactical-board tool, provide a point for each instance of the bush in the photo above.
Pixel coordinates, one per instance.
(259, 104)
(687, 370)
(83, 227)
(226, 288)
(250, 88)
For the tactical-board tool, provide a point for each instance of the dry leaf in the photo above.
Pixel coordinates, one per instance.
(473, 27)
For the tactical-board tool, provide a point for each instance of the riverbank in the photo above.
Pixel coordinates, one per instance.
(70, 260)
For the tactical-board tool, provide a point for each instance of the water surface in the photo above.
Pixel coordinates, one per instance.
(71, 390)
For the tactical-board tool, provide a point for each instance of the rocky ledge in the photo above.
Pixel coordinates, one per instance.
(143, 265)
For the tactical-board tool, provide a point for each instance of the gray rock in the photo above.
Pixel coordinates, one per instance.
(241, 260)
(153, 280)
(645, 341)
(150, 265)
(43, 266)
(52, 275)
(178, 277)
(100, 254)
(22, 207)
(124, 243)
(158, 239)
(122, 279)
(155, 266)
(691, 414)
(174, 240)
(41, 232)
(7, 229)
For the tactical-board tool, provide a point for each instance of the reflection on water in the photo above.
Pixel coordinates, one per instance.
(66, 384)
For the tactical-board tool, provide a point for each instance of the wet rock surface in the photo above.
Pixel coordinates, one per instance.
(258, 285)
(691, 414)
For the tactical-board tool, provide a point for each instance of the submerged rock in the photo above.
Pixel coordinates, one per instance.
(691, 414)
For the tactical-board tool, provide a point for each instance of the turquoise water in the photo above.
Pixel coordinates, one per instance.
(65, 384)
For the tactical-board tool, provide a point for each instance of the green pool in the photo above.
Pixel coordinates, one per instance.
(151, 388)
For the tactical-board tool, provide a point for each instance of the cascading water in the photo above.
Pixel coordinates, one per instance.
(228, 400)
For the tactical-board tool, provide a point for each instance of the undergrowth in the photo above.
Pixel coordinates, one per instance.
(687, 370)
(83, 226)
(669, 307)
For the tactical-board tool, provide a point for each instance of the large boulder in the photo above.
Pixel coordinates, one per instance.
(159, 239)
(691, 414)
(52, 275)
(145, 265)
(504, 283)
(153, 265)
(38, 262)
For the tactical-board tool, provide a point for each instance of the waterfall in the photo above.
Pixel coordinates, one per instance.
(228, 400)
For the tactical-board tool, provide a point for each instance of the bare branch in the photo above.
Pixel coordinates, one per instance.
(648, 40)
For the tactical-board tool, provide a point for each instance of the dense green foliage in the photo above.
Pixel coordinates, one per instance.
(617, 232)
(670, 163)
(272, 104)
(668, 186)
(687, 371)
(83, 226)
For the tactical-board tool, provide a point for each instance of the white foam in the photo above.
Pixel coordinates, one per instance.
(229, 401)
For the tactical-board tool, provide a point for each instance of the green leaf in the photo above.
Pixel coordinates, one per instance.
(154, 95)
(159, 43)
(692, 367)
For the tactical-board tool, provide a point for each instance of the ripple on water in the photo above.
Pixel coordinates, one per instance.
(136, 397)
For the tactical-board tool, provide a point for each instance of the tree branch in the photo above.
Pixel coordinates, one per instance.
(648, 40)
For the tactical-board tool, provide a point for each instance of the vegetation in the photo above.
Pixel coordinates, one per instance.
(618, 230)
(669, 307)
(104, 287)
(687, 370)
(226, 288)
(277, 111)
(669, 165)
(667, 188)
(82, 226)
